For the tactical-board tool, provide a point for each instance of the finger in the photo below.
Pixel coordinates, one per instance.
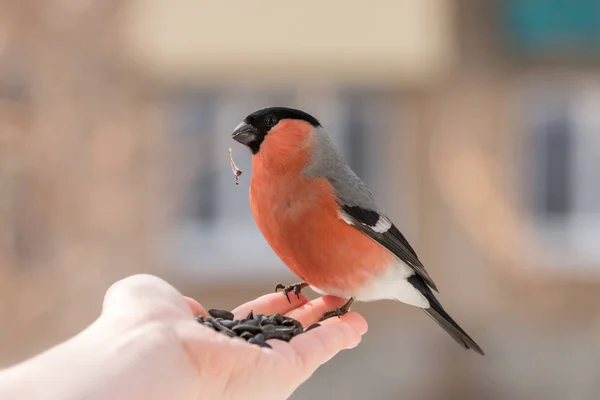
(354, 319)
(196, 307)
(271, 303)
(317, 346)
(141, 293)
(312, 312)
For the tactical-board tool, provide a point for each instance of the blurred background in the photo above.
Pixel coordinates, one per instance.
(475, 123)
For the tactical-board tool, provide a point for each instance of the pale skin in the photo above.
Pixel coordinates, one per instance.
(147, 345)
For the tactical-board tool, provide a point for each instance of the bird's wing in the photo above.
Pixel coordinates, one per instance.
(379, 228)
(358, 207)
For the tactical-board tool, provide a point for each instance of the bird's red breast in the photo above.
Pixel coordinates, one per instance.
(299, 217)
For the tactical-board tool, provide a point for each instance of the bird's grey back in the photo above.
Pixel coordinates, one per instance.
(327, 162)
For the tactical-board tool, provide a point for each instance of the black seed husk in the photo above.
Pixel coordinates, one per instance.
(246, 328)
(261, 344)
(282, 336)
(258, 341)
(221, 314)
(246, 335)
(269, 335)
(220, 327)
(255, 329)
(313, 326)
(285, 329)
(254, 322)
(229, 333)
(277, 319)
(227, 323)
(259, 336)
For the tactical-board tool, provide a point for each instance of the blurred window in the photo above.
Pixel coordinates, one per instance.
(565, 184)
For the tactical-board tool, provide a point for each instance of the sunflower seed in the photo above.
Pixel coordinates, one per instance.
(285, 329)
(269, 335)
(227, 323)
(246, 328)
(254, 322)
(313, 326)
(259, 340)
(277, 319)
(255, 329)
(260, 343)
(220, 327)
(260, 337)
(295, 324)
(246, 335)
(282, 336)
(221, 314)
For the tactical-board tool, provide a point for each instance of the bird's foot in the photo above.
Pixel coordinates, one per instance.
(296, 288)
(338, 312)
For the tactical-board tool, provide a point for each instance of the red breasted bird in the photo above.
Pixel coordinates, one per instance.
(324, 223)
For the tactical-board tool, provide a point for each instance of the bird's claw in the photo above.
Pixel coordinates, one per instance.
(330, 314)
(338, 312)
(278, 287)
(296, 288)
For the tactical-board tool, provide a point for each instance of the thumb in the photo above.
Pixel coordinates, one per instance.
(147, 295)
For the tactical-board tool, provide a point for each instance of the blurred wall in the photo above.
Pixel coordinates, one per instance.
(271, 41)
(81, 155)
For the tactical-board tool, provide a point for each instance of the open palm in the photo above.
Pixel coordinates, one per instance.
(226, 368)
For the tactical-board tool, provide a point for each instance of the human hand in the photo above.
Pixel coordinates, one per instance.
(179, 358)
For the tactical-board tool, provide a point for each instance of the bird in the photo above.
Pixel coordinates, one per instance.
(324, 223)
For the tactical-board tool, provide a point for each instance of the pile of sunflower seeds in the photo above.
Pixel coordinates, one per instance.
(255, 329)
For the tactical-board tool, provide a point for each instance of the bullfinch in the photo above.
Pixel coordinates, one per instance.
(323, 222)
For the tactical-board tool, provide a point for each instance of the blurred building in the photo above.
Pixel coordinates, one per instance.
(475, 124)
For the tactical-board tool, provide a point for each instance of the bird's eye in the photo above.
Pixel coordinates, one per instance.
(270, 121)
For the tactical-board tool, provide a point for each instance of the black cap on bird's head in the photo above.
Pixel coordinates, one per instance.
(252, 131)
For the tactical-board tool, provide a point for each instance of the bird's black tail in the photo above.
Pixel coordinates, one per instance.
(443, 319)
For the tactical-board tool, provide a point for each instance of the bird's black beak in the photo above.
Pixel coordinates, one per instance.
(245, 134)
